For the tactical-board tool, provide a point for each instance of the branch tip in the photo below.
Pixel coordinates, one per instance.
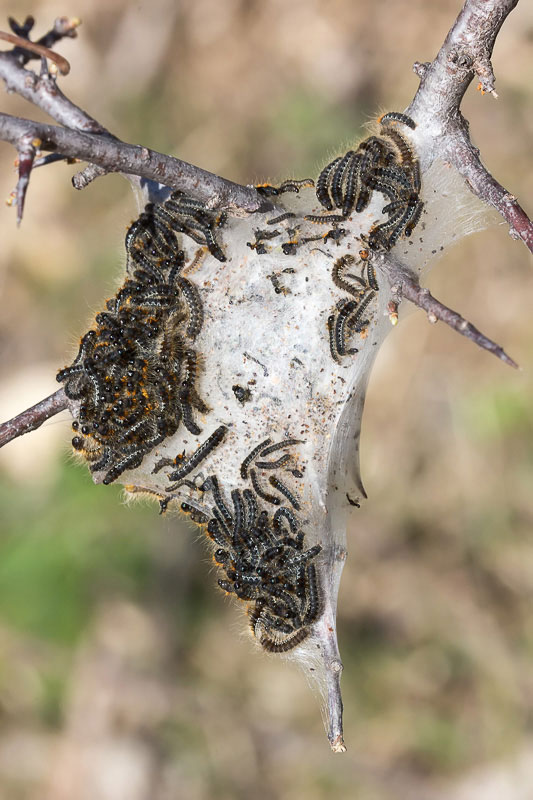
(86, 176)
(405, 284)
(436, 311)
(338, 746)
(33, 417)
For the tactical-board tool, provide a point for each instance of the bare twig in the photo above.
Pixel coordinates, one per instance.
(87, 175)
(404, 284)
(108, 152)
(51, 158)
(44, 52)
(116, 156)
(43, 92)
(63, 27)
(33, 417)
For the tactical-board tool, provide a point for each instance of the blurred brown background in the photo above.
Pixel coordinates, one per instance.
(123, 673)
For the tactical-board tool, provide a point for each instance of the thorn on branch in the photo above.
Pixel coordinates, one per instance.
(421, 297)
(33, 417)
(27, 149)
(404, 284)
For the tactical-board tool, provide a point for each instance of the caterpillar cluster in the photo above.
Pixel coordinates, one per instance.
(262, 555)
(266, 565)
(384, 163)
(349, 315)
(136, 369)
(184, 214)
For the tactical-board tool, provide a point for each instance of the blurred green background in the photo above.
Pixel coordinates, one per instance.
(123, 672)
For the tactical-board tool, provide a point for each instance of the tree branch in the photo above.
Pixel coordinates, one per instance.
(465, 53)
(33, 417)
(404, 284)
(116, 156)
(63, 27)
(42, 91)
(107, 151)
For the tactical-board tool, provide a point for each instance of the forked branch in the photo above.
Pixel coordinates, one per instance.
(466, 54)
(99, 147)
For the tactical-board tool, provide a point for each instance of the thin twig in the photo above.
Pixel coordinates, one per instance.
(63, 27)
(43, 92)
(87, 175)
(52, 158)
(33, 417)
(404, 284)
(108, 152)
(43, 52)
(116, 156)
